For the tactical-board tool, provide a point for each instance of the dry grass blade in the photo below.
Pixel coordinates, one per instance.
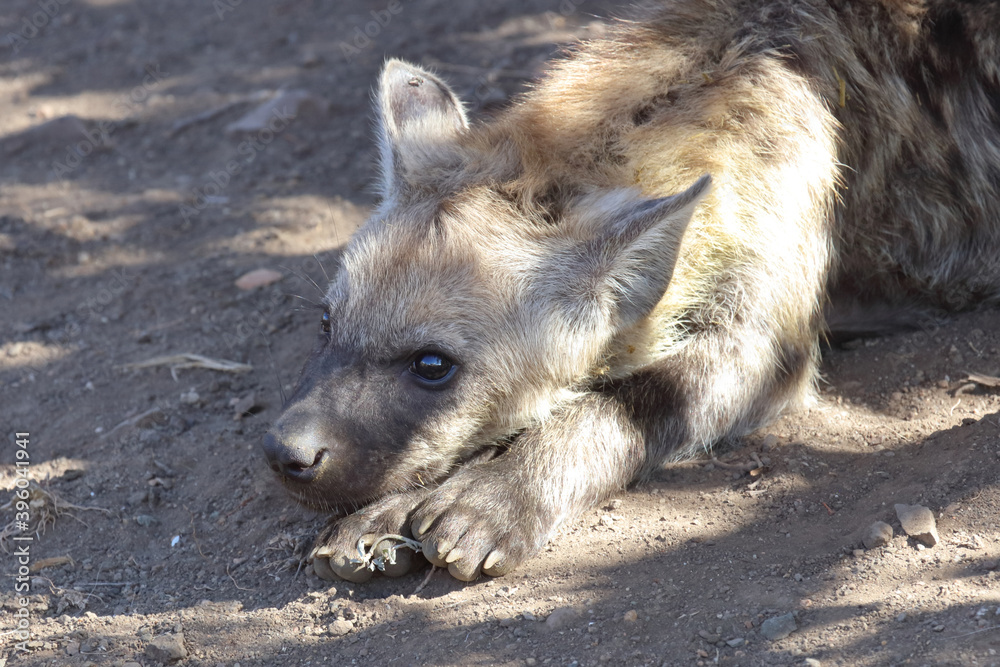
(190, 360)
(45, 507)
(984, 380)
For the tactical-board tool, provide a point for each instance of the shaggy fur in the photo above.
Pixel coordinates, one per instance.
(597, 323)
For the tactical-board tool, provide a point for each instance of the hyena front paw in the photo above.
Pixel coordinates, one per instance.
(480, 522)
(335, 551)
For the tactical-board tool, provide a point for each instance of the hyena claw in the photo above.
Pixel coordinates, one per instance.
(465, 529)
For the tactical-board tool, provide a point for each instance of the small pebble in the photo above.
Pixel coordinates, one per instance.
(918, 522)
(340, 627)
(631, 616)
(879, 534)
(166, 648)
(779, 627)
(258, 278)
(710, 637)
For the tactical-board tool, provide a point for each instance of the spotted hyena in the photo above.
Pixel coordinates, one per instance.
(636, 260)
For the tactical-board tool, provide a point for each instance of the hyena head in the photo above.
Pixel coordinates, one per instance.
(458, 317)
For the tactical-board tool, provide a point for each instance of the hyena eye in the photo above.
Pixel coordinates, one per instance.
(432, 368)
(324, 322)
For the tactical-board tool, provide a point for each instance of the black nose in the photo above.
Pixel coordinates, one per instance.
(295, 459)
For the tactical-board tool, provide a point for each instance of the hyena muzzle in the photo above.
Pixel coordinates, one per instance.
(635, 261)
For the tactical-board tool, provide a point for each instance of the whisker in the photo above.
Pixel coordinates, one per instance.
(314, 304)
(321, 267)
(306, 278)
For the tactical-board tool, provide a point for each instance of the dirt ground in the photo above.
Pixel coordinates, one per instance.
(129, 205)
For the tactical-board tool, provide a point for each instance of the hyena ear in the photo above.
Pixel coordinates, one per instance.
(419, 117)
(637, 248)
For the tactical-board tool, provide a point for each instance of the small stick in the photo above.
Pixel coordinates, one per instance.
(424, 582)
(132, 420)
(191, 360)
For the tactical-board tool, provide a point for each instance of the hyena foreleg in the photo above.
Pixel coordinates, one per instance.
(492, 517)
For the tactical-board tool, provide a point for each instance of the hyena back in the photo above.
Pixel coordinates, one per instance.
(634, 261)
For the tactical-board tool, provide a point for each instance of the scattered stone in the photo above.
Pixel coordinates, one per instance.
(190, 397)
(735, 641)
(258, 278)
(528, 616)
(879, 534)
(812, 662)
(131, 664)
(710, 637)
(154, 417)
(310, 59)
(146, 520)
(508, 622)
(340, 627)
(562, 618)
(275, 114)
(246, 406)
(991, 564)
(918, 522)
(901, 617)
(770, 442)
(631, 616)
(72, 648)
(778, 627)
(166, 648)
